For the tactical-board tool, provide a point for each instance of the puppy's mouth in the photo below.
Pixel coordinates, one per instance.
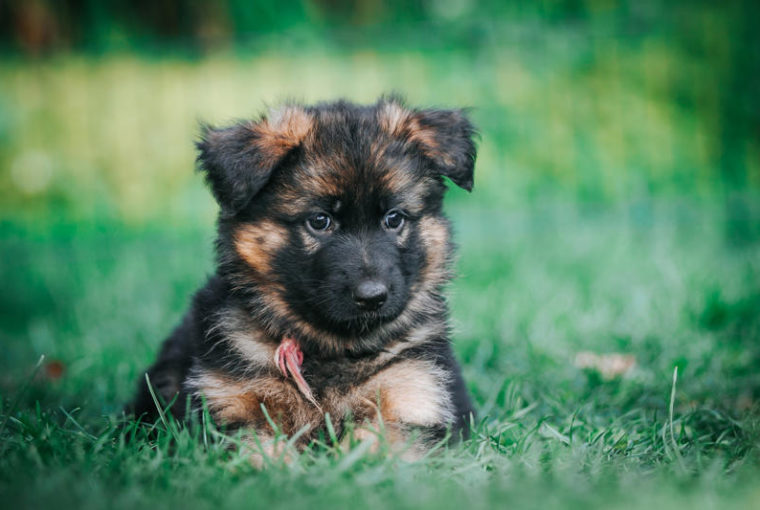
(361, 322)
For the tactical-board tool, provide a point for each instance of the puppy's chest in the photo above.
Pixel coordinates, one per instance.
(411, 391)
(343, 375)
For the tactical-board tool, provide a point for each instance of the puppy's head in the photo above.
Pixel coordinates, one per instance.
(331, 215)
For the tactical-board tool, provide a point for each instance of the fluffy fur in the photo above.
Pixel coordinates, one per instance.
(361, 296)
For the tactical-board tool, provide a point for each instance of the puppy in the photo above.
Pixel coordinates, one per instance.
(332, 254)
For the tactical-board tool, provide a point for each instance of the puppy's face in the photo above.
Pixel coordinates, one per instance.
(331, 215)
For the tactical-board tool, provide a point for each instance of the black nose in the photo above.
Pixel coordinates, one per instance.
(370, 294)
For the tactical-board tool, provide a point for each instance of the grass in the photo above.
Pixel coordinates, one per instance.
(654, 279)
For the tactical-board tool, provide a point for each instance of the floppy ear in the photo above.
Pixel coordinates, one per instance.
(445, 138)
(239, 160)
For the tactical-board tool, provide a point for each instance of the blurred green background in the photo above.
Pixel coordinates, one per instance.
(616, 210)
(593, 101)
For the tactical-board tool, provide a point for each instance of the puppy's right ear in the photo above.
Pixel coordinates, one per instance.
(239, 160)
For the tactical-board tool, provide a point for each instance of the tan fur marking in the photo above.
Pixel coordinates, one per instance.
(291, 120)
(426, 137)
(403, 237)
(310, 244)
(285, 128)
(422, 135)
(226, 398)
(393, 117)
(435, 237)
(412, 197)
(292, 202)
(313, 184)
(245, 336)
(398, 121)
(426, 332)
(398, 180)
(323, 183)
(409, 189)
(257, 243)
(250, 346)
(412, 392)
(239, 401)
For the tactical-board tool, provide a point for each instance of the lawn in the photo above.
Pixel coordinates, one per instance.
(654, 280)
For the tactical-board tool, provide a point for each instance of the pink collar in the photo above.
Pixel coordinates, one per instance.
(288, 357)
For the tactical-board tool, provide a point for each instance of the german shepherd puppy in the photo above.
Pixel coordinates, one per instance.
(332, 254)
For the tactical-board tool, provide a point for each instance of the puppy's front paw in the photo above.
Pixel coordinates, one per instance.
(266, 451)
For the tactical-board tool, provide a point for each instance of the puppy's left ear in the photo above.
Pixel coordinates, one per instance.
(446, 138)
(443, 137)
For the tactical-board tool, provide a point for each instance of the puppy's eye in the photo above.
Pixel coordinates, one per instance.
(393, 220)
(319, 222)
